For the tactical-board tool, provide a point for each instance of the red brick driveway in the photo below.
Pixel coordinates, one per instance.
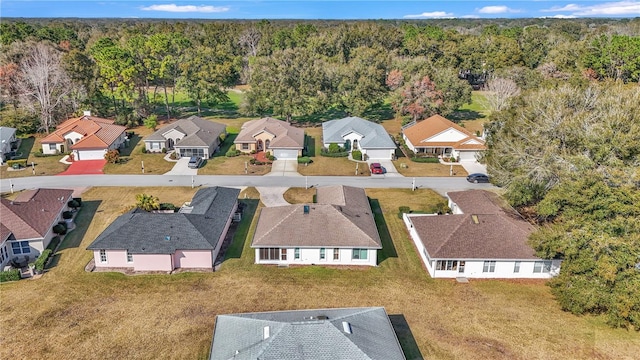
(85, 167)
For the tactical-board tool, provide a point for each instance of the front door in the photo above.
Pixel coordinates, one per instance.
(260, 145)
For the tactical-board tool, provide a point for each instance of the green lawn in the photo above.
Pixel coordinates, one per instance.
(110, 315)
(29, 146)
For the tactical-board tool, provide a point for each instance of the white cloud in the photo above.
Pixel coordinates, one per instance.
(469, 17)
(430, 15)
(497, 9)
(186, 8)
(560, 16)
(622, 8)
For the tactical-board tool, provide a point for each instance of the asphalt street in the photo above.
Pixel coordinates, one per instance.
(439, 184)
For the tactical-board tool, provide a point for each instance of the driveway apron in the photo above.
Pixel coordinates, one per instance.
(284, 168)
(182, 168)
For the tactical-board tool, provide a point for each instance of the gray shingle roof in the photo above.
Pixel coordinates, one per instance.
(6, 134)
(341, 218)
(307, 335)
(198, 131)
(374, 135)
(141, 232)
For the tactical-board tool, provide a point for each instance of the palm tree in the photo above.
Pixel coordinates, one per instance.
(147, 202)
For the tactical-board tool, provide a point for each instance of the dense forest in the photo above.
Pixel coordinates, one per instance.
(563, 135)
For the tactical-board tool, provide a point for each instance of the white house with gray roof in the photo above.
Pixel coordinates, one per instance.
(193, 136)
(190, 239)
(337, 230)
(8, 142)
(354, 133)
(321, 334)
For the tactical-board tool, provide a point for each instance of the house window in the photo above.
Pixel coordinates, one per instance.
(129, 257)
(103, 256)
(296, 253)
(283, 254)
(20, 247)
(323, 254)
(336, 254)
(461, 267)
(270, 254)
(52, 147)
(245, 146)
(516, 267)
(448, 265)
(359, 254)
(542, 266)
(489, 267)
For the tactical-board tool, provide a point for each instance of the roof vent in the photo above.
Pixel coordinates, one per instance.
(322, 317)
(87, 113)
(346, 327)
(306, 209)
(167, 237)
(265, 333)
(475, 220)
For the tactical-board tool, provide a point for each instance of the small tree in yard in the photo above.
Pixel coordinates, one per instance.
(147, 202)
(60, 229)
(151, 122)
(112, 156)
(334, 148)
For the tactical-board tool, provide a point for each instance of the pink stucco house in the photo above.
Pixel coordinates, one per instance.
(189, 239)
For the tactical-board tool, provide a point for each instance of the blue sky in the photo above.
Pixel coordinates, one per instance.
(327, 9)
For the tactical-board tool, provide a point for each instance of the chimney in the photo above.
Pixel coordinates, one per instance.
(87, 113)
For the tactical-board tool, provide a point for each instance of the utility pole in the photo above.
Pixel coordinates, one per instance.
(142, 166)
(192, 181)
(413, 184)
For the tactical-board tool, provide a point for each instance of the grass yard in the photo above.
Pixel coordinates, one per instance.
(72, 314)
(131, 158)
(49, 165)
(328, 166)
(219, 164)
(414, 169)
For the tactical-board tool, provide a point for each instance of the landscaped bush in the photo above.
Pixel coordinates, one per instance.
(232, 152)
(164, 150)
(112, 156)
(270, 157)
(11, 275)
(60, 229)
(42, 260)
(20, 162)
(78, 200)
(54, 243)
(335, 148)
(403, 210)
(304, 160)
(173, 156)
(39, 153)
(356, 155)
(253, 161)
(143, 150)
(67, 215)
(167, 206)
(223, 137)
(433, 160)
(326, 153)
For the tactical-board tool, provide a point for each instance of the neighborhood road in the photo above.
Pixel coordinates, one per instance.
(439, 184)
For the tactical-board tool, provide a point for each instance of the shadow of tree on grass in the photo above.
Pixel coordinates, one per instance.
(388, 249)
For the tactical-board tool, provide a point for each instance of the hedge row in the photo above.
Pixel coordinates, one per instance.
(433, 160)
(338, 154)
(21, 162)
(11, 275)
(304, 160)
(42, 260)
(54, 243)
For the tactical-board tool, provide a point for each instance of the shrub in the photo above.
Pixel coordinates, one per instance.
(315, 198)
(356, 155)
(74, 204)
(151, 122)
(164, 150)
(432, 160)
(41, 154)
(20, 162)
(54, 243)
(271, 157)
(403, 210)
(232, 152)
(173, 156)
(112, 156)
(253, 152)
(78, 200)
(42, 260)
(326, 153)
(167, 206)
(335, 148)
(60, 229)
(67, 215)
(253, 161)
(223, 137)
(11, 275)
(304, 160)
(143, 150)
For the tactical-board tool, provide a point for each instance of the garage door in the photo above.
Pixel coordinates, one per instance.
(91, 155)
(384, 154)
(468, 156)
(285, 154)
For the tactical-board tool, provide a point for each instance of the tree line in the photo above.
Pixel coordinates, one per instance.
(129, 69)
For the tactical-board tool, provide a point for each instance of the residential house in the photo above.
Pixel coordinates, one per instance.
(439, 136)
(479, 240)
(193, 136)
(337, 230)
(8, 143)
(26, 223)
(347, 333)
(273, 136)
(88, 137)
(148, 241)
(354, 133)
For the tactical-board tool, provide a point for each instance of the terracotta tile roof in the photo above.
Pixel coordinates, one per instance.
(341, 218)
(286, 136)
(33, 213)
(96, 132)
(419, 134)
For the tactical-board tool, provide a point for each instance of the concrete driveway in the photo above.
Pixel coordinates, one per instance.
(284, 168)
(182, 168)
(390, 169)
(473, 167)
(272, 196)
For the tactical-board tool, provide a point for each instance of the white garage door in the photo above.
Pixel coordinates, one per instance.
(468, 156)
(381, 154)
(285, 154)
(91, 155)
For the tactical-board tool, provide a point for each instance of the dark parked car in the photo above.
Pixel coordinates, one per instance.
(376, 168)
(195, 162)
(478, 178)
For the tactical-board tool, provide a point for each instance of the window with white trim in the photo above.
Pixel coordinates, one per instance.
(245, 146)
(296, 253)
(359, 254)
(103, 256)
(448, 265)
(323, 253)
(270, 254)
(336, 254)
(129, 257)
(283, 254)
(20, 247)
(542, 266)
(52, 147)
(516, 267)
(489, 267)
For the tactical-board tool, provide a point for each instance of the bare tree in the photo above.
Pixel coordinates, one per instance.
(499, 92)
(42, 82)
(250, 40)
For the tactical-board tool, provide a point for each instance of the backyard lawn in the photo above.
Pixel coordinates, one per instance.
(71, 314)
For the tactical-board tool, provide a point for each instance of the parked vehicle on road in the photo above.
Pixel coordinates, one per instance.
(478, 178)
